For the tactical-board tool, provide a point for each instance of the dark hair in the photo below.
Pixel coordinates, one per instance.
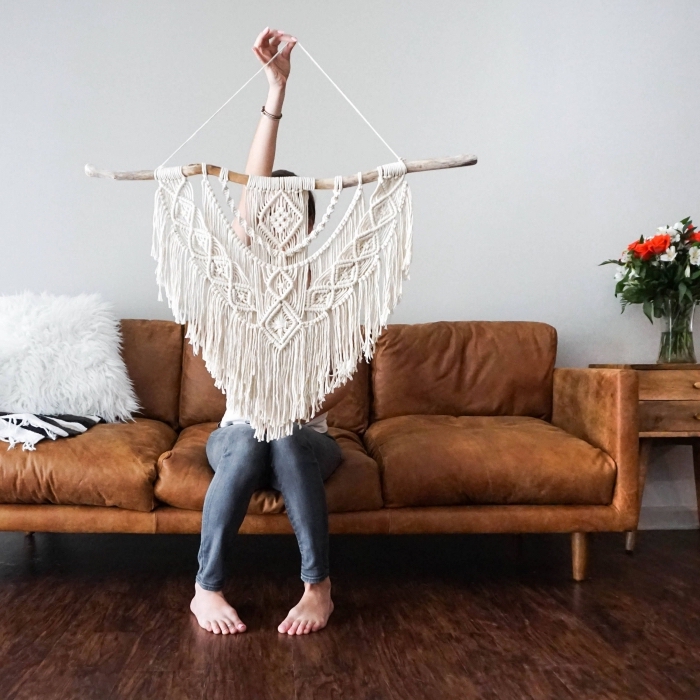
(312, 201)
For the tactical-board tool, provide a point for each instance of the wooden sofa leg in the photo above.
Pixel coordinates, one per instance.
(29, 533)
(579, 554)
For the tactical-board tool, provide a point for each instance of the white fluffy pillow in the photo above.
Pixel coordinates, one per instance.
(60, 354)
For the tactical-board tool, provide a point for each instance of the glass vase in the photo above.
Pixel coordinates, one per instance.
(677, 337)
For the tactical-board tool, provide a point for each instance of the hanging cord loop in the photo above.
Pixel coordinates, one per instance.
(350, 102)
(247, 82)
(196, 131)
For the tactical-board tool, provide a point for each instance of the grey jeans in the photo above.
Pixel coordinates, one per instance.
(296, 465)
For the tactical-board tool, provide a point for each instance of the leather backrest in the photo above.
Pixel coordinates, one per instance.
(202, 402)
(464, 368)
(152, 352)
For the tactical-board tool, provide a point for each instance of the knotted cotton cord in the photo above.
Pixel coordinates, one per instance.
(280, 328)
(247, 82)
(278, 332)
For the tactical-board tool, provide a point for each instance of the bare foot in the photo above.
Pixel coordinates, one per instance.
(213, 612)
(311, 613)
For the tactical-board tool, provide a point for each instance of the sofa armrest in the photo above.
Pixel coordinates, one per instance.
(600, 406)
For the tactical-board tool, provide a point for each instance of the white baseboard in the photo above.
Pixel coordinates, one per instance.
(668, 518)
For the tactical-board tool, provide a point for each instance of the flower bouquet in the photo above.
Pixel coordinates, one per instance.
(662, 272)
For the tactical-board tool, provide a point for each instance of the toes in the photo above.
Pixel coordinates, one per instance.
(301, 627)
(206, 626)
(236, 623)
(284, 626)
(215, 627)
(307, 627)
(316, 626)
(235, 627)
(293, 627)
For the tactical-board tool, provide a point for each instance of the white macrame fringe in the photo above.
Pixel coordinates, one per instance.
(280, 329)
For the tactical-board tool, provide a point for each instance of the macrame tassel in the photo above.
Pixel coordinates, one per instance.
(280, 329)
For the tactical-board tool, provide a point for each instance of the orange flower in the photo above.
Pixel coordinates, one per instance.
(654, 246)
(694, 238)
(658, 244)
(641, 250)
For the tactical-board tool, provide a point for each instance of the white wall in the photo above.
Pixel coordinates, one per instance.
(583, 114)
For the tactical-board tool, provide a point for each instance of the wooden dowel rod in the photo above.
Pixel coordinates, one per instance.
(412, 166)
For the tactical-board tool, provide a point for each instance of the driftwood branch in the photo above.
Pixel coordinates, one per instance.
(412, 166)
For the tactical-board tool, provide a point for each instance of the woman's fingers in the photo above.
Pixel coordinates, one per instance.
(262, 37)
(260, 55)
(286, 37)
(287, 50)
(268, 42)
(272, 37)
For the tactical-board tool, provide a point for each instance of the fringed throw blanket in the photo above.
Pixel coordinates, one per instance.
(280, 328)
(30, 428)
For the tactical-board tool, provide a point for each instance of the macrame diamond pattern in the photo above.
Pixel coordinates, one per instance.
(280, 328)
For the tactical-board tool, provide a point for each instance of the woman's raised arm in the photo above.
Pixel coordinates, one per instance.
(261, 156)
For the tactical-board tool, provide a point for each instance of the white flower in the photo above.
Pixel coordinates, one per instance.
(633, 274)
(620, 274)
(669, 255)
(687, 270)
(679, 226)
(625, 257)
(694, 255)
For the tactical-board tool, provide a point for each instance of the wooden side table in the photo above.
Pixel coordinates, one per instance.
(669, 410)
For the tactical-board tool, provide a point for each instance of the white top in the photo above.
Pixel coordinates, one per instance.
(319, 423)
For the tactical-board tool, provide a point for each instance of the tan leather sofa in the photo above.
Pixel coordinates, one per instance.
(455, 427)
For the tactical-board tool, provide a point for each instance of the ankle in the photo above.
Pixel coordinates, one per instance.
(320, 587)
(198, 589)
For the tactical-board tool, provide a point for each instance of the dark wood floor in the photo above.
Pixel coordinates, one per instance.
(105, 616)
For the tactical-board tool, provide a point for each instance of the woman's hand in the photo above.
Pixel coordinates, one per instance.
(266, 46)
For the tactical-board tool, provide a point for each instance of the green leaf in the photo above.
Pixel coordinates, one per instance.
(648, 308)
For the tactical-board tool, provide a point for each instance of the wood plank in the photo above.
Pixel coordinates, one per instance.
(682, 437)
(647, 367)
(669, 416)
(669, 385)
(417, 618)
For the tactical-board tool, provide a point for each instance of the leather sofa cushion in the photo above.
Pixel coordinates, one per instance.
(184, 475)
(447, 460)
(464, 368)
(152, 352)
(111, 464)
(202, 402)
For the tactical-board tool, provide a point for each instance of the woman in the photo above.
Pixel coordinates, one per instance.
(296, 465)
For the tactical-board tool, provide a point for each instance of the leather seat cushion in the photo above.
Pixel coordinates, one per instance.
(111, 464)
(431, 460)
(184, 475)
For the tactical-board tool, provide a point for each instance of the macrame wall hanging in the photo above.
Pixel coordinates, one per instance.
(279, 327)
